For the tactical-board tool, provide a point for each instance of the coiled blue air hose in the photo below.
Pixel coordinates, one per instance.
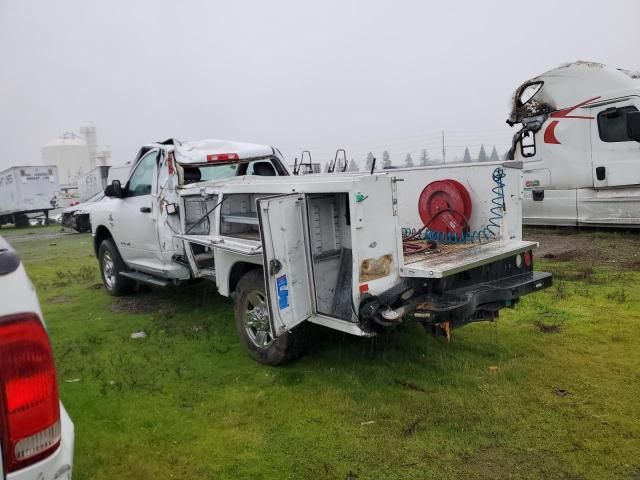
(488, 233)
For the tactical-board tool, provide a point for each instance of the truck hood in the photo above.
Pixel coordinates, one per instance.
(570, 86)
(85, 207)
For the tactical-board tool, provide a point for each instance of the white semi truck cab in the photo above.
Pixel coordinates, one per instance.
(356, 253)
(580, 144)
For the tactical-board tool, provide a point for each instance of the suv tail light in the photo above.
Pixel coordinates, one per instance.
(29, 403)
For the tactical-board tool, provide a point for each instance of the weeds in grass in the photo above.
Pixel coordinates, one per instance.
(546, 327)
(560, 292)
(619, 295)
(633, 264)
(67, 277)
(411, 427)
(567, 256)
(409, 386)
(584, 273)
(582, 291)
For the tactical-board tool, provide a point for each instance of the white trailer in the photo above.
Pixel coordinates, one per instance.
(356, 253)
(580, 144)
(120, 172)
(26, 191)
(93, 182)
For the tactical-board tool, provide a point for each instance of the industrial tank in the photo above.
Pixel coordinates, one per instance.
(70, 154)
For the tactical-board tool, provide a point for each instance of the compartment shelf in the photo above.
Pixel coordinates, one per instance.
(239, 217)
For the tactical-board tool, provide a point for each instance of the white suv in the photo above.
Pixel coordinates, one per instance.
(36, 433)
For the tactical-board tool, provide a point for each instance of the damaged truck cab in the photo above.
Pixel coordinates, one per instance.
(580, 144)
(349, 252)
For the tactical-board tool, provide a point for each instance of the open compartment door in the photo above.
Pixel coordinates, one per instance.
(285, 256)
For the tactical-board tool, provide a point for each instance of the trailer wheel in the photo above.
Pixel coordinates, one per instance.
(111, 264)
(252, 324)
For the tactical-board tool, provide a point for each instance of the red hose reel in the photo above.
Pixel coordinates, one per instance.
(445, 207)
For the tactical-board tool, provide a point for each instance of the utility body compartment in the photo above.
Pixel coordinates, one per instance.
(332, 249)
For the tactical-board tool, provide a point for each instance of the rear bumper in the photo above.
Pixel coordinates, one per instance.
(57, 466)
(477, 302)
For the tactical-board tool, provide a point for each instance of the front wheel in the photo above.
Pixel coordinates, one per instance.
(111, 264)
(252, 323)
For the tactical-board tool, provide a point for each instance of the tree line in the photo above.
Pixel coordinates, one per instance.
(423, 160)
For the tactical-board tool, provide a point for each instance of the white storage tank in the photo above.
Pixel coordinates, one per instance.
(89, 134)
(70, 154)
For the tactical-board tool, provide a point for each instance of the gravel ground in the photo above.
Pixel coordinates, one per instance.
(596, 246)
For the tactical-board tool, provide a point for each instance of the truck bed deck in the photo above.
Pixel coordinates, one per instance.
(449, 259)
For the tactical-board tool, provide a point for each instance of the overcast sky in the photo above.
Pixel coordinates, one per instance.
(363, 75)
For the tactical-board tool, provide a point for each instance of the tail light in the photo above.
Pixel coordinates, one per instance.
(29, 403)
(528, 258)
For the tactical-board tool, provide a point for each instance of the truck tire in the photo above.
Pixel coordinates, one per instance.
(111, 264)
(252, 323)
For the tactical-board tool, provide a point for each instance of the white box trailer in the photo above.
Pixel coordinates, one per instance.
(93, 182)
(120, 172)
(27, 190)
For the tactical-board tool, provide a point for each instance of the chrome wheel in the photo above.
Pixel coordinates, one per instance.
(255, 317)
(108, 270)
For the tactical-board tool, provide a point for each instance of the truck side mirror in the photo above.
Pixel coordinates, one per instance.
(114, 190)
(633, 126)
(528, 144)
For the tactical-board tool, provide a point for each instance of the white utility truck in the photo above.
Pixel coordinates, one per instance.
(580, 144)
(29, 190)
(356, 253)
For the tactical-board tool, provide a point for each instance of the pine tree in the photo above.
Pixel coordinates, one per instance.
(353, 166)
(482, 156)
(424, 158)
(386, 159)
(409, 160)
(369, 162)
(494, 155)
(467, 156)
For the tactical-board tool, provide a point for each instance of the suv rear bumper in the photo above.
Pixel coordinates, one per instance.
(57, 466)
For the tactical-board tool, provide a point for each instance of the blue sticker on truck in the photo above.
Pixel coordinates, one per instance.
(283, 292)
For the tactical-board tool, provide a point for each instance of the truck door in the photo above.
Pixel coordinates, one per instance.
(615, 157)
(134, 218)
(285, 256)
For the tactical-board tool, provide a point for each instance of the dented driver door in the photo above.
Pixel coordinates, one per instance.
(286, 260)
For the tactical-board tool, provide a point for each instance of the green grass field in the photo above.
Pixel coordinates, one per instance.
(552, 390)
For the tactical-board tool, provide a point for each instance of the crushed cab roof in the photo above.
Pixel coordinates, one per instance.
(196, 152)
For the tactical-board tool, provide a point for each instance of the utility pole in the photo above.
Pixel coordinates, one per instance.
(444, 150)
